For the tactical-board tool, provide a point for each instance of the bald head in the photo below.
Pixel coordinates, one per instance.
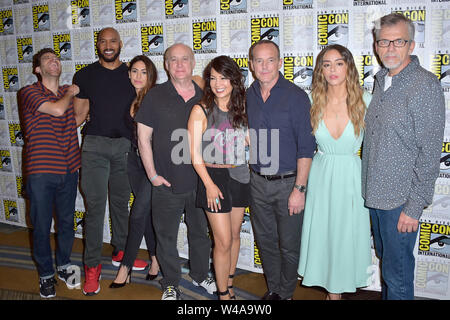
(103, 32)
(179, 61)
(109, 46)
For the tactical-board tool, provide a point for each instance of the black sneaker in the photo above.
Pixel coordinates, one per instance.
(47, 288)
(72, 281)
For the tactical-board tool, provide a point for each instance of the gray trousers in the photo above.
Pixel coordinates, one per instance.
(103, 168)
(167, 209)
(277, 234)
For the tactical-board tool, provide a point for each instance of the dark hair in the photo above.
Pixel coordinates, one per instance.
(152, 74)
(252, 48)
(236, 106)
(37, 60)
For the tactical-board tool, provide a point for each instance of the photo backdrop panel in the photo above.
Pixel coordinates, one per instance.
(214, 27)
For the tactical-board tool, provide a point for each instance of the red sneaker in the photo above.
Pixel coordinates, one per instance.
(138, 263)
(91, 282)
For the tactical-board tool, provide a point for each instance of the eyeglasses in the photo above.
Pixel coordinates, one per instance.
(399, 43)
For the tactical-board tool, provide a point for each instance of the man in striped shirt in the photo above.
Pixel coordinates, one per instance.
(52, 160)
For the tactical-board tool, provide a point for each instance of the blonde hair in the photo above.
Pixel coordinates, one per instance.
(356, 107)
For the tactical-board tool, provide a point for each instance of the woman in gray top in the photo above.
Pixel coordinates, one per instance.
(217, 130)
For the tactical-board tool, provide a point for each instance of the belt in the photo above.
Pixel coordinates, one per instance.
(285, 175)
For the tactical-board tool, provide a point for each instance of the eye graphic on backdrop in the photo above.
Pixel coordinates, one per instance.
(445, 162)
(270, 34)
(440, 242)
(337, 34)
(303, 76)
(208, 39)
(155, 42)
(43, 19)
(129, 9)
(179, 5)
(84, 14)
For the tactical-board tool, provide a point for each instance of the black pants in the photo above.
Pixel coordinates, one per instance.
(140, 223)
(167, 209)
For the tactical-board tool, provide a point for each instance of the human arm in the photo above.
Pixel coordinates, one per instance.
(305, 150)
(196, 126)
(145, 150)
(427, 110)
(296, 202)
(81, 109)
(58, 108)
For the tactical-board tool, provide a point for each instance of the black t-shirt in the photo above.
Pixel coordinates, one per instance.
(110, 94)
(164, 110)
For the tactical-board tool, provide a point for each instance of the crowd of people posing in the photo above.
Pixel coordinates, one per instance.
(314, 201)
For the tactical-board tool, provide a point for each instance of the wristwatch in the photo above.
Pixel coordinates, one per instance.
(300, 188)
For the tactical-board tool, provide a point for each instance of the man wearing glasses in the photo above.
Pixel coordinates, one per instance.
(404, 132)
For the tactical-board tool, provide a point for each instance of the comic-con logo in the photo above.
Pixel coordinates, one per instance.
(265, 28)
(2, 109)
(418, 18)
(78, 222)
(299, 70)
(80, 13)
(15, 135)
(367, 66)
(204, 34)
(6, 22)
(152, 40)
(332, 28)
(80, 65)
(125, 11)
(6, 164)
(96, 32)
(256, 257)
(440, 66)
(242, 62)
(41, 17)
(431, 277)
(297, 4)
(434, 240)
(233, 6)
(62, 45)
(10, 79)
(445, 160)
(11, 212)
(176, 8)
(24, 49)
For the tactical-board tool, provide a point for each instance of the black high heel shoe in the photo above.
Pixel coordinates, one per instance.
(115, 285)
(151, 277)
(232, 297)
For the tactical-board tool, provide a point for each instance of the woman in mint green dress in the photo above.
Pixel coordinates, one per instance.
(335, 250)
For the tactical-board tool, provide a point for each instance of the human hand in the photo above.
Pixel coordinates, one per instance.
(73, 90)
(296, 202)
(213, 196)
(407, 224)
(159, 180)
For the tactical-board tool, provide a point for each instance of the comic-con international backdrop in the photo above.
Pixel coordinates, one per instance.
(212, 27)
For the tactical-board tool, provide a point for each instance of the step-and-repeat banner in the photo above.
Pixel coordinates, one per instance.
(213, 27)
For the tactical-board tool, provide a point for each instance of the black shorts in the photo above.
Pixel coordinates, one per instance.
(235, 193)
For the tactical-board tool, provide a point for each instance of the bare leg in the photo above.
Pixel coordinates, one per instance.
(221, 228)
(237, 215)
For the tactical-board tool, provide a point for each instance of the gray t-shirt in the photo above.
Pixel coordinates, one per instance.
(222, 144)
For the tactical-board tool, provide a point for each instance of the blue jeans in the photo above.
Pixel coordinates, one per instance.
(395, 250)
(50, 193)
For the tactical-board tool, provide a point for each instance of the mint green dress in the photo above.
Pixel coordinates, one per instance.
(335, 248)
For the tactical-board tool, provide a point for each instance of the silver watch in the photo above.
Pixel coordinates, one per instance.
(300, 188)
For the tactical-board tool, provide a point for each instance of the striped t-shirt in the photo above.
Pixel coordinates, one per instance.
(51, 143)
